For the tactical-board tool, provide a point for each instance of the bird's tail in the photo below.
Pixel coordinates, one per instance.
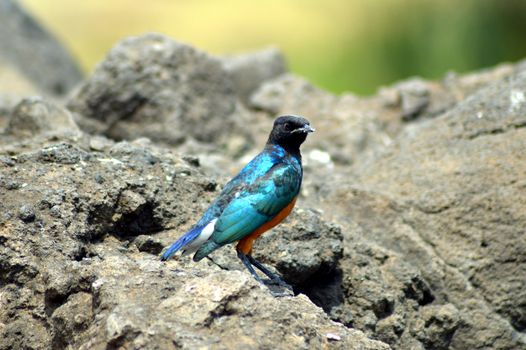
(181, 242)
(206, 249)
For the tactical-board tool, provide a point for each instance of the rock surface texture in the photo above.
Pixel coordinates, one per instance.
(154, 87)
(409, 232)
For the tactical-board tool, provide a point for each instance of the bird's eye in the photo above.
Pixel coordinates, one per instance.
(287, 126)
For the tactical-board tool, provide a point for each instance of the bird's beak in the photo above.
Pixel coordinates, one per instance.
(306, 129)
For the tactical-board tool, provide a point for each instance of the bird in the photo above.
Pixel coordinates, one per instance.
(261, 196)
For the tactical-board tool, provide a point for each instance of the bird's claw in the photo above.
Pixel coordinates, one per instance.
(280, 282)
(281, 294)
(279, 288)
(279, 291)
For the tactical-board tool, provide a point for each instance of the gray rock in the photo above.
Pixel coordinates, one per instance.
(349, 129)
(291, 94)
(447, 197)
(465, 191)
(416, 239)
(88, 267)
(13, 88)
(26, 213)
(148, 244)
(383, 295)
(151, 86)
(35, 115)
(24, 333)
(250, 70)
(436, 326)
(354, 130)
(302, 249)
(414, 97)
(71, 319)
(34, 51)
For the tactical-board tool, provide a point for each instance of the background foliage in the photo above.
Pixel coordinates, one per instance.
(340, 45)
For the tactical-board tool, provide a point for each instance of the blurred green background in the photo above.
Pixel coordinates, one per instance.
(340, 45)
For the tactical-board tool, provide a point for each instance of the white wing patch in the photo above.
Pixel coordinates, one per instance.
(205, 234)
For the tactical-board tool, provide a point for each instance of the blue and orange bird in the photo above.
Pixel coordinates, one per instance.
(254, 201)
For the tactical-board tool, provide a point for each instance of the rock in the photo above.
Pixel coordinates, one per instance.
(353, 130)
(379, 294)
(414, 97)
(408, 229)
(334, 118)
(417, 98)
(288, 93)
(296, 248)
(151, 86)
(437, 325)
(447, 197)
(26, 213)
(34, 51)
(13, 88)
(35, 115)
(250, 70)
(349, 126)
(228, 309)
(25, 332)
(87, 265)
(472, 158)
(148, 244)
(72, 318)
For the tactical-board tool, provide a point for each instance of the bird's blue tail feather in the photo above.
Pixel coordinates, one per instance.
(181, 242)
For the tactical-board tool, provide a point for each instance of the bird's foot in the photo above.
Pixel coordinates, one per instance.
(278, 290)
(279, 282)
(276, 285)
(281, 294)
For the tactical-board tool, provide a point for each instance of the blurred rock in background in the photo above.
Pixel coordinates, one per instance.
(33, 52)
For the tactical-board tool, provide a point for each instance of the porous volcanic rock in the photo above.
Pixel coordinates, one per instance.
(447, 199)
(409, 228)
(151, 86)
(83, 220)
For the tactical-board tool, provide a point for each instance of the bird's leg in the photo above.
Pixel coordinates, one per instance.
(273, 277)
(218, 265)
(246, 259)
(248, 265)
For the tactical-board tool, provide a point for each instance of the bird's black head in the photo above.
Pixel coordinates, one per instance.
(290, 132)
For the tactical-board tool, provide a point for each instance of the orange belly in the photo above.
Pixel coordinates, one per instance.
(245, 244)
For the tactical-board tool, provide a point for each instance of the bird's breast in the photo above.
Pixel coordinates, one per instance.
(245, 245)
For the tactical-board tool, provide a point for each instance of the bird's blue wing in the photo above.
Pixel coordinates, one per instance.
(257, 203)
(252, 172)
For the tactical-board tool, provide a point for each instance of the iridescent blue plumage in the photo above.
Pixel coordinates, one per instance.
(251, 198)
(260, 196)
(269, 183)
